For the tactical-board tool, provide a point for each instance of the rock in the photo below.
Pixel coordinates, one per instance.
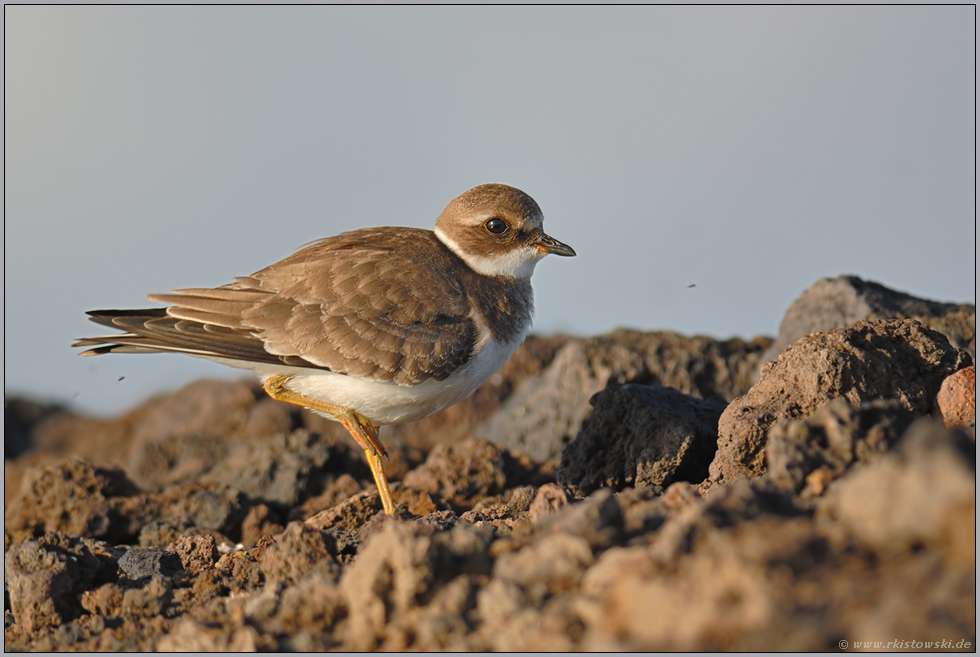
(863, 527)
(919, 494)
(303, 613)
(296, 552)
(883, 359)
(189, 506)
(460, 472)
(548, 500)
(196, 553)
(349, 515)
(815, 451)
(260, 521)
(641, 436)
(140, 563)
(597, 519)
(77, 497)
(45, 576)
(556, 562)
(71, 496)
(402, 567)
(282, 468)
(191, 636)
(209, 409)
(957, 399)
(546, 411)
(150, 599)
(833, 303)
(20, 416)
(105, 601)
(713, 600)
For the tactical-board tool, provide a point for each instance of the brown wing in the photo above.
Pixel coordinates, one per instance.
(376, 303)
(153, 330)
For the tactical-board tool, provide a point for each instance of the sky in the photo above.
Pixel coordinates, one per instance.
(747, 151)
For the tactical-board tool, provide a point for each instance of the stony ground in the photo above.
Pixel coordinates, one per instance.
(634, 491)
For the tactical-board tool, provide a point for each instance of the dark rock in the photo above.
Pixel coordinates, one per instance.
(546, 411)
(641, 436)
(139, 563)
(884, 359)
(813, 452)
(833, 303)
(20, 416)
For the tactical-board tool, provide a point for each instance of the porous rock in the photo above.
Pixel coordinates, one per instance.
(297, 551)
(641, 436)
(883, 359)
(833, 303)
(139, 563)
(957, 399)
(45, 576)
(197, 553)
(461, 472)
(70, 496)
(814, 451)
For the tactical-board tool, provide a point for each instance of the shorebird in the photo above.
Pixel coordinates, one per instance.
(371, 327)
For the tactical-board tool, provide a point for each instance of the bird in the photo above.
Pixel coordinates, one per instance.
(371, 327)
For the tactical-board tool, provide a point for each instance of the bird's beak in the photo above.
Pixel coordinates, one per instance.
(551, 245)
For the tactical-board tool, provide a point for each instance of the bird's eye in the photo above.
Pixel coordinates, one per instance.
(495, 225)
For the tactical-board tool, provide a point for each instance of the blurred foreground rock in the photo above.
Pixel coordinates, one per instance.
(639, 493)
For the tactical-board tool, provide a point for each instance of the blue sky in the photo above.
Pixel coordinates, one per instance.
(746, 150)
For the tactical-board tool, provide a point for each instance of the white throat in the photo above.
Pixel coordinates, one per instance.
(516, 263)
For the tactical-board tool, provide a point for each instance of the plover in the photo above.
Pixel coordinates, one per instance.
(374, 326)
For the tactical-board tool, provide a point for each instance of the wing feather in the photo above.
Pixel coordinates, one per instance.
(377, 303)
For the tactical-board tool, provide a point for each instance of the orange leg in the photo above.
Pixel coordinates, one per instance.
(360, 428)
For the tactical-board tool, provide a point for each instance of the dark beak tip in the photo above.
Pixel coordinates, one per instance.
(551, 245)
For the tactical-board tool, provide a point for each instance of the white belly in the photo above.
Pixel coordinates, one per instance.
(390, 403)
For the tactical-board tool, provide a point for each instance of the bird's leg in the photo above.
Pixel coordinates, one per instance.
(360, 428)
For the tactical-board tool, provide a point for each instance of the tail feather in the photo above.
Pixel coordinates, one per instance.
(152, 330)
